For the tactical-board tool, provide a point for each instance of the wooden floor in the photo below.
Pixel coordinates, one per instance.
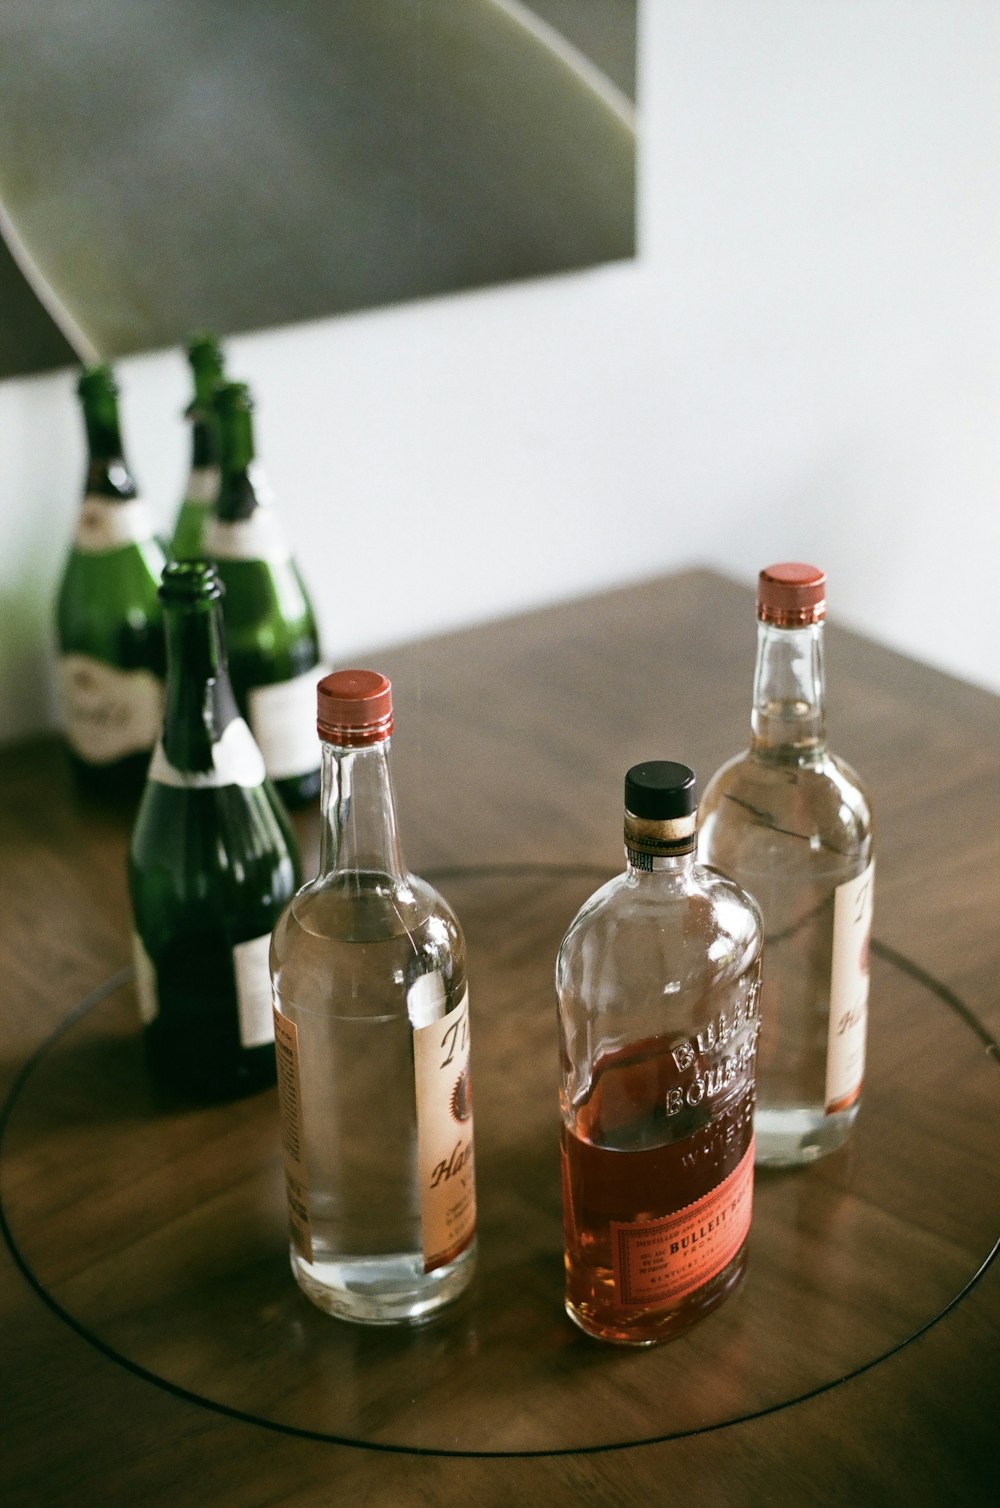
(155, 1348)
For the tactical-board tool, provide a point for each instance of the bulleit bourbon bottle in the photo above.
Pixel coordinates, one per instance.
(657, 981)
(371, 1011)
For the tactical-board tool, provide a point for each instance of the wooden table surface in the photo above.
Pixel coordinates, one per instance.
(155, 1349)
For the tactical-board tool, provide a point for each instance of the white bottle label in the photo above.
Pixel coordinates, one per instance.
(236, 760)
(444, 1124)
(253, 991)
(109, 712)
(845, 1052)
(145, 982)
(202, 486)
(105, 524)
(253, 988)
(283, 719)
(259, 537)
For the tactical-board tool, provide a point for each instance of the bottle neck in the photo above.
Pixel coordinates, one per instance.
(643, 866)
(358, 813)
(660, 845)
(199, 697)
(237, 492)
(107, 472)
(789, 707)
(204, 439)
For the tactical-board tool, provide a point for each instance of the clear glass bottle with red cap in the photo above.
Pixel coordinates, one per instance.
(371, 1012)
(657, 981)
(791, 823)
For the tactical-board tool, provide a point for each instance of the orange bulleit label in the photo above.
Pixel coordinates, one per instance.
(665, 1260)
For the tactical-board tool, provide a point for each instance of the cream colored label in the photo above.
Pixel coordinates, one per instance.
(286, 1047)
(145, 982)
(253, 991)
(662, 1261)
(444, 1124)
(109, 712)
(236, 760)
(845, 1051)
(283, 719)
(259, 537)
(105, 524)
(202, 486)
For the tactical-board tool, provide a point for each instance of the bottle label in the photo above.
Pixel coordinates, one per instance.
(253, 991)
(283, 719)
(145, 982)
(202, 486)
(662, 1261)
(286, 1047)
(109, 712)
(106, 524)
(444, 1125)
(236, 760)
(259, 537)
(848, 1029)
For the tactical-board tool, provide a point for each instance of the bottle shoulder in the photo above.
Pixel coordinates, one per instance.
(356, 944)
(210, 858)
(758, 812)
(660, 932)
(267, 609)
(825, 787)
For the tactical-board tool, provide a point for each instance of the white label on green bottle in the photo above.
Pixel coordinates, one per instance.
(145, 982)
(259, 537)
(236, 760)
(283, 719)
(848, 1029)
(202, 486)
(106, 524)
(444, 1124)
(109, 712)
(253, 991)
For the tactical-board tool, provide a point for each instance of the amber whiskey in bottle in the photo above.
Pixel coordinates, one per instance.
(792, 824)
(657, 982)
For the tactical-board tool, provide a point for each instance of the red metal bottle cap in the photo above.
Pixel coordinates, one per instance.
(791, 594)
(354, 707)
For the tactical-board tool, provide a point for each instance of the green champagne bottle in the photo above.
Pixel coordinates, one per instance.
(110, 627)
(211, 863)
(270, 625)
(206, 361)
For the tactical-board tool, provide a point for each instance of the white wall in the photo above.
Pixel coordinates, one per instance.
(803, 362)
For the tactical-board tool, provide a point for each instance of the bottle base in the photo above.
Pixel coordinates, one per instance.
(652, 1327)
(383, 1290)
(795, 1138)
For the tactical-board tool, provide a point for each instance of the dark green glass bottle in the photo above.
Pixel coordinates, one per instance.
(270, 625)
(110, 627)
(206, 361)
(211, 863)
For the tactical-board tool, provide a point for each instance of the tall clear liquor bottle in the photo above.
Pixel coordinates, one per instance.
(202, 488)
(372, 1032)
(657, 981)
(270, 625)
(109, 623)
(792, 824)
(211, 863)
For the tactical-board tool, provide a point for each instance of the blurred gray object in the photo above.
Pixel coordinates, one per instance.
(168, 165)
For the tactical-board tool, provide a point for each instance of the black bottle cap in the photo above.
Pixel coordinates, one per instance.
(660, 790)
